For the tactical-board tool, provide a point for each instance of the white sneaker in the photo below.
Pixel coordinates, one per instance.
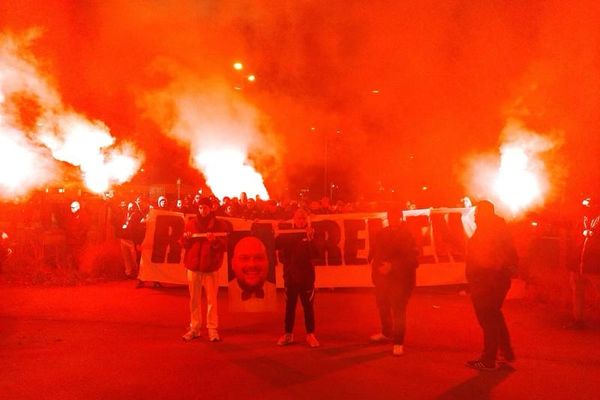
(190, 335)
(379, 337)
(213, 335)
(398, 350)
(312, 340)
(286, 339)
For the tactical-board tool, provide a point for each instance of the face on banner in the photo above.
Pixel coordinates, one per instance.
(250, 262)
(341, 240)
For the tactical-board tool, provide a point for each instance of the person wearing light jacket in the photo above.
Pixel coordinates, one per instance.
(203, 258)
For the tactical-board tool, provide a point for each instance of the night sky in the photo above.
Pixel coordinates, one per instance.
(389, 94)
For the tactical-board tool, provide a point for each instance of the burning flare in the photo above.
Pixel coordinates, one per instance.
(23, 166)
(32, 116)
(87, 145)
(517, 184)
(219, 127)
(519, 180)
(228, 174)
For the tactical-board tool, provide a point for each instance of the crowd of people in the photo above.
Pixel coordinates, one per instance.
(491, 258)
(491, 262)
(257, 208)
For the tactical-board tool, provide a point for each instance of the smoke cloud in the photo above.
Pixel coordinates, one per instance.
(33, 117)
(400, 94)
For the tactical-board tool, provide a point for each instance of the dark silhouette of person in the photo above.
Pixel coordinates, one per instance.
(394, 267)
(297, 252)
(490, 262)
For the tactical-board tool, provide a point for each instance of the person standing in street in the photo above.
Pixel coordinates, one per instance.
(394, 264)
(490, 262)
(296, 252)
(203, 258)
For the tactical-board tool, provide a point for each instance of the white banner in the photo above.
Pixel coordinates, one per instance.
(343, 241)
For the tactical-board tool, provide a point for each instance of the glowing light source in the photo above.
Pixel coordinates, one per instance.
(251, 78)
(238, 66)
(22, 165)
(519, 179)
(516, 183)
(88, 145)
(69, 136)
(228, 173)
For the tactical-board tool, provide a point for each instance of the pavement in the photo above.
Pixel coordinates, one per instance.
(112, 341)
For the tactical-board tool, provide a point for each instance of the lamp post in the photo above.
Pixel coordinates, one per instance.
(325, 168)
(327, 186)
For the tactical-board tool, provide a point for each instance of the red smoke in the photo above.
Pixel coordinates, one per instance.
(37, 128)
(448, 74)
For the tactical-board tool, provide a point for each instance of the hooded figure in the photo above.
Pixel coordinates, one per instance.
(161, 202)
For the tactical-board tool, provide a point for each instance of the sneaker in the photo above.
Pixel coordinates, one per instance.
(506, 358)
(286, 339)
(190, 335)
(213, 335)
(398, 350)
(480, 365)
(312, 340)
(378, 338)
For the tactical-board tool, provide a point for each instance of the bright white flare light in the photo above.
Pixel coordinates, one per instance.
(83, 144)
(228, 174)
(21, 165)
(516, 184)
(25, 163)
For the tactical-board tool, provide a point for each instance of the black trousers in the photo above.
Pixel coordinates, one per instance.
(392, 298)
(306, 298)
(488, 291)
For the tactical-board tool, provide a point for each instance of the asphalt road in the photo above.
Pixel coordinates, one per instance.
(112, 341)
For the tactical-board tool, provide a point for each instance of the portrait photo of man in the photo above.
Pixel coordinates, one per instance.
(251, 275)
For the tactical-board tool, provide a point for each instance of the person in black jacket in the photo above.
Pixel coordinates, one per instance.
(296, 253)
(394, 263)
(491, 258)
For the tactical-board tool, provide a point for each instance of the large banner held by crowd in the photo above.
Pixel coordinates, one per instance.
(343, 240)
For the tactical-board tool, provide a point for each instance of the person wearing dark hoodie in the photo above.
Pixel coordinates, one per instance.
(490, 262)
(203, 258)
(394, 265)
(296, 253)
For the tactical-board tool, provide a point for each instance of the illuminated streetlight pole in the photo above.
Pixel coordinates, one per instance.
(327, 186)
(325, 169)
